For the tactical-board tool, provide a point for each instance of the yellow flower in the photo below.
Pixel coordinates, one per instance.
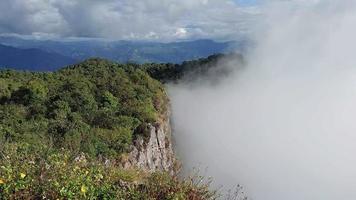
(86, 172)
(2, 182)
(83, 189)
(22, 175)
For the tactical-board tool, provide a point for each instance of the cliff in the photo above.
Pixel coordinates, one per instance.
(155, 152)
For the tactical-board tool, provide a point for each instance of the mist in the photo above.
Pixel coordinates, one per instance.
(284, 125)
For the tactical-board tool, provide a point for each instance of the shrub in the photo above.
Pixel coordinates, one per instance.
(43, 173)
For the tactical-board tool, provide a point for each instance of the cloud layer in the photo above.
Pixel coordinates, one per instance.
(127, 19)
(284, 127)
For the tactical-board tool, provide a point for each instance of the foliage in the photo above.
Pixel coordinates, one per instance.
(58, 129)
(189, 70)
(93, 107)
(40, 173)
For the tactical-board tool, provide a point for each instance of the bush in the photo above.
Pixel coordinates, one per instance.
(42, 173)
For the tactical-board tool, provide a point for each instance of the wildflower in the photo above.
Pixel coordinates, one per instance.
(83, 189)
(2, 182)
(86, 172)
(22, 175)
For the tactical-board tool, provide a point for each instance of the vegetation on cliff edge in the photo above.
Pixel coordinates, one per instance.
(58, 129)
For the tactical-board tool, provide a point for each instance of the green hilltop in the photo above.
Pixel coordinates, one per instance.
(57, 129)
(93, 107)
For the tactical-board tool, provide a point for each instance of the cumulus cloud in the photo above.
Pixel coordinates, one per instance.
(127, 19)
(30, 16)
(284, 126)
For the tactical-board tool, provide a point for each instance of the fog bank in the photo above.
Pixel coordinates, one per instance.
(284, 127)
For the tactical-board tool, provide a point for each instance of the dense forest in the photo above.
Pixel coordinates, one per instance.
(214, 66)
(58, 129)
(83, 108)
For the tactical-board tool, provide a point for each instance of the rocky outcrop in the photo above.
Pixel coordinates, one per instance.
(154, 153)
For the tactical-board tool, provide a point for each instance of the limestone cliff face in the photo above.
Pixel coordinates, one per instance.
(154, 153)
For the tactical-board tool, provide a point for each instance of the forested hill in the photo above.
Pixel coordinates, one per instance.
(93, 96)
(97, 97)
(65, 134)
(213, 66)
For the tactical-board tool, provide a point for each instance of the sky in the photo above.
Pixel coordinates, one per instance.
(164, 20)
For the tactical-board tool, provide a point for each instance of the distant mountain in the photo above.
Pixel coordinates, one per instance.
(32, 59)
(128, 51)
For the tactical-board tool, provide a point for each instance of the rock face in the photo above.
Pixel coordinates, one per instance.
(154, 153)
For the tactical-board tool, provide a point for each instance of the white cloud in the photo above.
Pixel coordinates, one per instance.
(181, 33)
(126, 19)
(284, 125)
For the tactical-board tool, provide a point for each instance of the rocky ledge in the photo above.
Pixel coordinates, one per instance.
(154, 152)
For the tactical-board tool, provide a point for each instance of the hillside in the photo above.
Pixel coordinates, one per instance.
(32, 59)
(94, 130)
(213, 67)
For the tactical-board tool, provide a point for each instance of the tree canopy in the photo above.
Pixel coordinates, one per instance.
(92, 107)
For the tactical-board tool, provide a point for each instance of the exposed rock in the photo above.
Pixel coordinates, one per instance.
(154, 153)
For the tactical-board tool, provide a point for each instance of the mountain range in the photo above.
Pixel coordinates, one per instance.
(48, 55)
(32, 59)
